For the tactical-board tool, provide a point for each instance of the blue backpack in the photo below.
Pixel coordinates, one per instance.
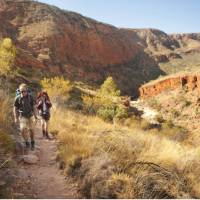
(18, 93)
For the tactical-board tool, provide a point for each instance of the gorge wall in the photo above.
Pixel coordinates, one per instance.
(187, 81)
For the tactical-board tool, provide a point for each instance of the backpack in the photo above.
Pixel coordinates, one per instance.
(18, 96)
(18, 93)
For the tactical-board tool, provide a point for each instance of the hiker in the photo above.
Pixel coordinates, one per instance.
(43, 105)
(24, 110)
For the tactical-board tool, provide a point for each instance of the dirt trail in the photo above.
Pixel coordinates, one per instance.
(44, 179)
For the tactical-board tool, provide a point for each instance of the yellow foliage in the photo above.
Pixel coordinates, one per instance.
(109, 88)
(57, 87)
(7, 56)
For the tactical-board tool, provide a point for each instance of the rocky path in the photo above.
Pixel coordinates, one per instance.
(148, 113)
(39, 176)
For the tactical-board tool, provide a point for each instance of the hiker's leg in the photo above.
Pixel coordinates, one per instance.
(46, 129)
(46, 126)
(32, 133)
(43, 127)
(24, 130)
(24, 133)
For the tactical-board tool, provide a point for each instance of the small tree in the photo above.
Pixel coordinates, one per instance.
(109, 88)
(7, 56)
(108, 93)
(58, 88)
(105, 104)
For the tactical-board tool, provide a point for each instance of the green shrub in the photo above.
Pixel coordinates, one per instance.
(109, 89)
(105, 104)
(121, 112)
(107, 113)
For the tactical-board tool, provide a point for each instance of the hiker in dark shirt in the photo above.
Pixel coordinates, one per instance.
(43, 105)
(24, 110)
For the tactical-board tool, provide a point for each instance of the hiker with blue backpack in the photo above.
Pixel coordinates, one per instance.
(25, 114)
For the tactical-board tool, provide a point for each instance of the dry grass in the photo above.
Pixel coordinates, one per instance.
(5, 122)
(6, 142)
(181, 108)
(116, 161)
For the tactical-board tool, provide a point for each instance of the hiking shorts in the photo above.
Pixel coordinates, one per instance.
(45, 117)
(26, 123)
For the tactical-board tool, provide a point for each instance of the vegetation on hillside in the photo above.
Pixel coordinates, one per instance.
(7, 56)
(129, 159)
(106, 102)
(58, 88)
(115, 161)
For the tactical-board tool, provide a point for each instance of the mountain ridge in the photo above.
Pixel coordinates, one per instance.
(80, 48)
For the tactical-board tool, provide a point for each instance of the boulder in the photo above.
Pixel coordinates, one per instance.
(30, 159)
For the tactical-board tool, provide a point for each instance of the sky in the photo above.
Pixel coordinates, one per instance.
(170, 16)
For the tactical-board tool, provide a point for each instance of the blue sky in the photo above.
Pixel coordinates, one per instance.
(171, 16)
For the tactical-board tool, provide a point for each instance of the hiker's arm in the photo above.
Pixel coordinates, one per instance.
(15, 113)
(34, 107)
(16, 110)
(48, 103)
(35, 111)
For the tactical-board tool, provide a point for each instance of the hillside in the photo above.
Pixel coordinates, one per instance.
(78, 47)
(103, 145)
(86, 50)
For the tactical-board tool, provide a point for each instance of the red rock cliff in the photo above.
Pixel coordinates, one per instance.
(188, 81)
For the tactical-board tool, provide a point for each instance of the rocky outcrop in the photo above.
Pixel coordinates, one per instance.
(189, 43)
(188, 81)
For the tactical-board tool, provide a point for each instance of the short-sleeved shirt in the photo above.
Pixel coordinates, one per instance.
(25, 106)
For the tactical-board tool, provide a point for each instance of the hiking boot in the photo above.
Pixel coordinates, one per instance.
(47, 136)
(32, 145)
(27, 144)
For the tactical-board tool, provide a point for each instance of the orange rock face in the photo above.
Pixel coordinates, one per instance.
(190, 82)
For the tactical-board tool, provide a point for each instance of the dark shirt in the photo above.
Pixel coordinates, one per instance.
(25, 106)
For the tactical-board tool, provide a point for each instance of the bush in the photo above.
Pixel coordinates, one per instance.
(58, 88)
(121, 112)
(105, 104)
(7, 56)
(107, 113)
(90, 104)
(121, 186)
(109, 89)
